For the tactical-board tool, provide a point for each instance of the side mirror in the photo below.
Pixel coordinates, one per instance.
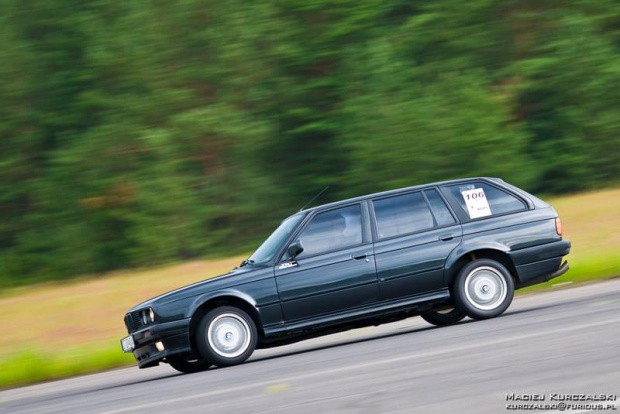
(294, 249)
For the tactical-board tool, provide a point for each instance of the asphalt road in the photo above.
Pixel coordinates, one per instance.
(565, 341)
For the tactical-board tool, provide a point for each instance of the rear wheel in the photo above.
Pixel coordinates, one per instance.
(226, 336)
(444, 317)
(483, 289)
(187, 365)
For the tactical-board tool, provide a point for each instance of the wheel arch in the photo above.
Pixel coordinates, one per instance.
(497, 253)
(224, 298)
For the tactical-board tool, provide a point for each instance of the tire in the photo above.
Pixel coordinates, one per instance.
(187, 366)
(226, 336)
(483, 289)
(442, 318)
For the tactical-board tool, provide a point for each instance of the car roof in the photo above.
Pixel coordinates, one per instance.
(400, 190)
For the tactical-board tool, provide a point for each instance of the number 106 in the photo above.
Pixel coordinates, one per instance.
(473, 196)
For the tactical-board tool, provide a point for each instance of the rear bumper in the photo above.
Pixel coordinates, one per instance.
(542, 279)
(540, 264)
(563, 269)
(174, 338)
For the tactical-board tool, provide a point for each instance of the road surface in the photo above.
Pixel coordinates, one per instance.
(564, 341)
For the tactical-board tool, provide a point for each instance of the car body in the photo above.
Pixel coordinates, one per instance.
(442, 250)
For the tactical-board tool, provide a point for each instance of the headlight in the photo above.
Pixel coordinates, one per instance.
(148, 316)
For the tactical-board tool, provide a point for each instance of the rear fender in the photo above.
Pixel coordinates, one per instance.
(466, 252)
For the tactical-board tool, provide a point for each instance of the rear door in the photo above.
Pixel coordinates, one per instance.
(414, 232)
(335, 272)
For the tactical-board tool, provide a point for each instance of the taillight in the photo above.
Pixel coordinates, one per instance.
(558, 226)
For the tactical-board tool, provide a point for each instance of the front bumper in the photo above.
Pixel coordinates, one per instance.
(174, 336)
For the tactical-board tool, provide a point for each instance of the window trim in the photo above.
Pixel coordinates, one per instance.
(277, 258)
(446, 191)
(304, 224)
(446, 203)
(428, 205)
(376, 237)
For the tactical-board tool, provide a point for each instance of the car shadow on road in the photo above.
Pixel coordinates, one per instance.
(404, 331)
(346, 342)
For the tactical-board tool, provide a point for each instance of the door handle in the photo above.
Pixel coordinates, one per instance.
(359, 256)
(446, 237)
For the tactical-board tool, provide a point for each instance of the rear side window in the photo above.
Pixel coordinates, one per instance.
(482, 200)
(440, 210)
(402, 214)
(332, 230)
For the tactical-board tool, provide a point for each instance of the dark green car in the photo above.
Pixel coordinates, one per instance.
(443, 251)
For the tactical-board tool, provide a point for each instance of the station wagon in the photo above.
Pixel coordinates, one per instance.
(443, 251)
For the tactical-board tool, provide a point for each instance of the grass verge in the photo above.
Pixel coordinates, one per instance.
(36, 365)
(57, 330)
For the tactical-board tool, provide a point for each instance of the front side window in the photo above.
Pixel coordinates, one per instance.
(332, 230)
(482, 200)
(402, 214)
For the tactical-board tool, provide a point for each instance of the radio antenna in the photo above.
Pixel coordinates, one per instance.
(314, 198)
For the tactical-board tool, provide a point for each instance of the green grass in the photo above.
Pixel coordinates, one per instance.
(57, 330)
(35, 365)
(584, 270)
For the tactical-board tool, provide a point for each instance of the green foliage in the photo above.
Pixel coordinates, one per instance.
(31, 366)
(144, 132)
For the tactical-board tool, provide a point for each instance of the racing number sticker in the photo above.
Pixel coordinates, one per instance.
(476, 202)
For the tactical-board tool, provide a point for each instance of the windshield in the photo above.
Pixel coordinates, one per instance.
(270, 246)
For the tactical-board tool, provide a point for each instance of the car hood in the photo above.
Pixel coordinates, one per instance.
(193, 289)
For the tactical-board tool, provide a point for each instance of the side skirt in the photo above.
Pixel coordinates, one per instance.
(371, 315)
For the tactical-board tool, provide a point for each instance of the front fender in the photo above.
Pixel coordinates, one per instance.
(230, 292)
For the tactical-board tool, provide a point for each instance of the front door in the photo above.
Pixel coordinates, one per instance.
(335, 271)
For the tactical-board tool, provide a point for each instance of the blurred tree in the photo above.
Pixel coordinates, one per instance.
(144, 132)
(419, 132)
(567, 101)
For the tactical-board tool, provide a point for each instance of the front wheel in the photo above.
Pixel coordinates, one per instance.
(444, 317)
(226, 336)
(187, 365)
(483, 289)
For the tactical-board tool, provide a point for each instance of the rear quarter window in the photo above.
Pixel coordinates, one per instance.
(479, 200)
